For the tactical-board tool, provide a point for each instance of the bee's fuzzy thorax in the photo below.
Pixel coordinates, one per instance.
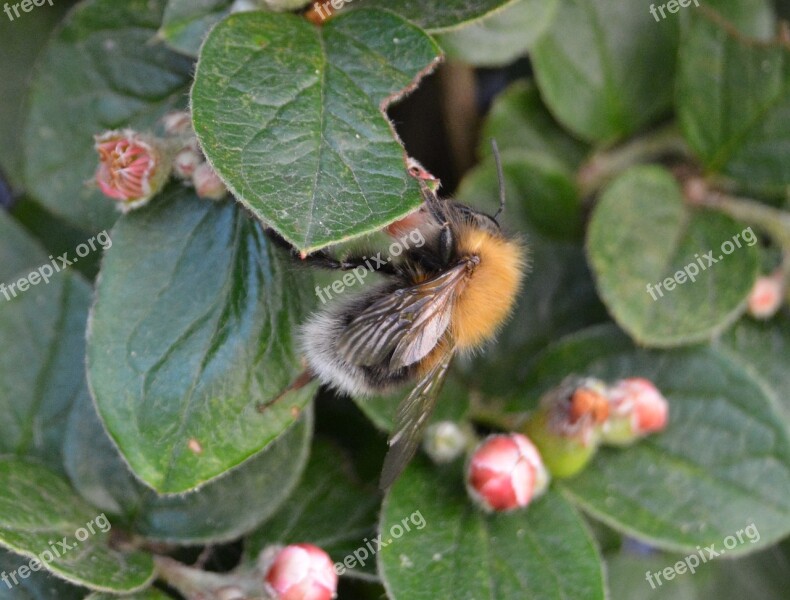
(490, 293)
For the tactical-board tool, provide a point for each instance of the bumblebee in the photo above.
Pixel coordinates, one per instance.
(450, 295)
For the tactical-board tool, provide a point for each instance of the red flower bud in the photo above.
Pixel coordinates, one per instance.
(637, 409)
(131, 167)
(505, 472)
(765, 299)
(302, 572)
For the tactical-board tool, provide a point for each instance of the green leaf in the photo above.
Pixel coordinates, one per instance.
(753, 18)
(58, 236)
(519, 120)
(18, 250)
(545, 551)
(186, 22)
(501, 37)
(101, 70)
(22, 41)
(44, 373)
(329, 508)
(764, 347)
(221, 510)
(451, 405)
(763, 575)
(558, 295)
(441, 15)
(606, 68)
(651, 256)
(281, 105)
(733, 99)
(149, 594)
(39, 512)
(545, 192)
(722, 463)
(39, 585)
(191, 330)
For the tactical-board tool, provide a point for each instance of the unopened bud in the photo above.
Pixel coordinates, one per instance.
(301, 572)
(505, 472)
(185, 163)
(132, 167)
(766, 296)
(445, 441)
(207, 182)
(417, 171)
(637, 409)
(177, 122)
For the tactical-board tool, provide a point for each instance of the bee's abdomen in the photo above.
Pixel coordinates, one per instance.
(319, 338)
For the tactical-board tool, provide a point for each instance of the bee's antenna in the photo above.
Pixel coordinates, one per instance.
(500, 178)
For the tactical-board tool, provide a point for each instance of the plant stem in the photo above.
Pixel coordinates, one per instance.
(606, 164)
(775, 222)
(196, 584)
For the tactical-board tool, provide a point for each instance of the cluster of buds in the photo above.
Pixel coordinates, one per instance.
(508, 471)
(298, 572)
(579, 415)
(189, 163)
(134, 167)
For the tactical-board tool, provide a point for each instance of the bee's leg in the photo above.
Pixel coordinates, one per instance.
(322, 260)
(375, 265)
(302, 380)
(435, 206)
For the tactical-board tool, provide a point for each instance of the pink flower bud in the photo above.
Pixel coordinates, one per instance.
(177, 122)
(131, 167)
(637, 409)
(505, 472)
(207, 182)
(302, 572)
(765, 299)
(417, 171)
(186, 161)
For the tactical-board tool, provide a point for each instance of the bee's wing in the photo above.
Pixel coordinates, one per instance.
(408, 322)
(413, 415)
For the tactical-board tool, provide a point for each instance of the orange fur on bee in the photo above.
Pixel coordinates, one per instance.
(491, 290)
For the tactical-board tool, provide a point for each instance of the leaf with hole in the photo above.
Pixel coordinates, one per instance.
(290, 116)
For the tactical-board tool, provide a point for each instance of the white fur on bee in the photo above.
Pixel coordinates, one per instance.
(318, 339)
